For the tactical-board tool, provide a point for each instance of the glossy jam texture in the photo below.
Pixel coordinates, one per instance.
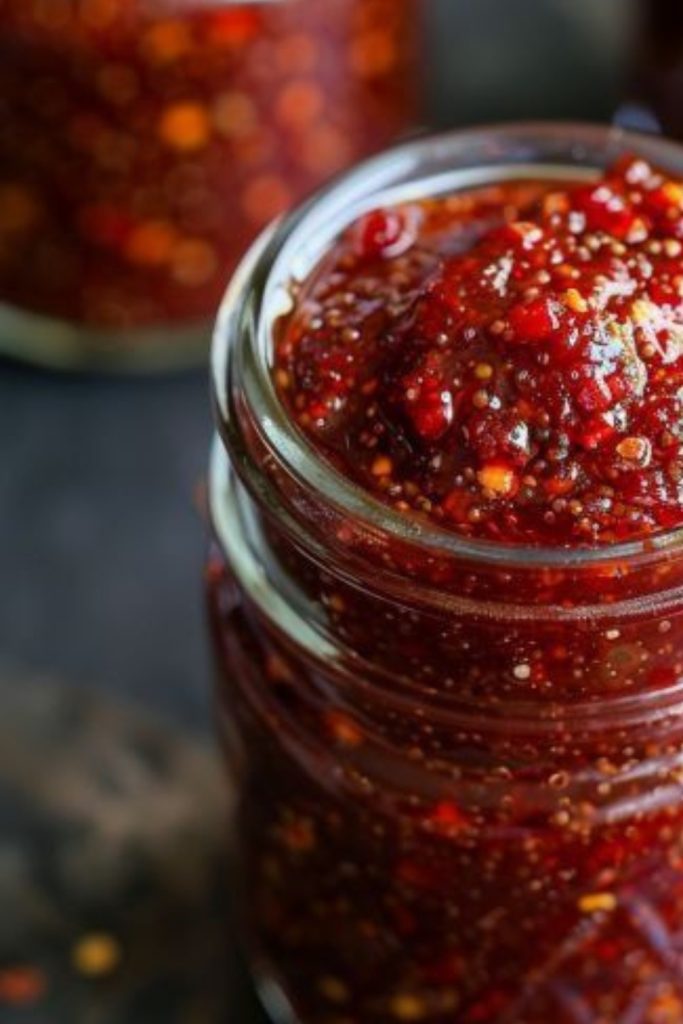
(507, 363)
(405, 861)
(461, 777)
(143, 143)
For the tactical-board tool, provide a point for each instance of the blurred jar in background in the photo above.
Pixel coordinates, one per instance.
(143, 144)
(659, 69)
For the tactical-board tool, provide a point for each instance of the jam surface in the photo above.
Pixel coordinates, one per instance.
(144, 143)
(507, 362)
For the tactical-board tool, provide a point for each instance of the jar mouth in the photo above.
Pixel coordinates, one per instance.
(259, 294)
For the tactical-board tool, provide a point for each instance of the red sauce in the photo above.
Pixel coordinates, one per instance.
(462, 803)
(524, 388)
(143, 143)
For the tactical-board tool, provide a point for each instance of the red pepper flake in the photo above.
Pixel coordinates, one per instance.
(596, 902)
(575, 301)
(534, 321)
(298, 835)
(344, 730)
(22, 985)
(429, 405)
(185, 126)
(457, 505)
(447, 818)
(499, 479)
(382, 466)
(636, 450)
(385, 234)
(605, 210)
(234, 28)
(596, 431)
(595, 395)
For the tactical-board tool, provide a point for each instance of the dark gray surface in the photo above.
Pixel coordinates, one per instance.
(102, 542)
(508, 59)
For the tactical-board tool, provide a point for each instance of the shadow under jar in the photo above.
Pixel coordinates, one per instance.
(460, 763)
(144, 143)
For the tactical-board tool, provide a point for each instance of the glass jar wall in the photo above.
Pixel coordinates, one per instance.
(144, 143)
(460, 763)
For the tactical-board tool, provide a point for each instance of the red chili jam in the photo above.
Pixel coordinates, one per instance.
(460, 765)
(143, 143)
(522, 387)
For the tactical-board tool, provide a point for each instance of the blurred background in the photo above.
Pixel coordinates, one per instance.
(135, 165)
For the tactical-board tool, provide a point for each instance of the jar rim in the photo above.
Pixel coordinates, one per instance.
(260, 291)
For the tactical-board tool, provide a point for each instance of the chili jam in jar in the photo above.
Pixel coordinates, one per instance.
(446, 587)
(144, 143)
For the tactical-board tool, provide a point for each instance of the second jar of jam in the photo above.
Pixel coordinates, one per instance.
(455, 716)
(144, 143)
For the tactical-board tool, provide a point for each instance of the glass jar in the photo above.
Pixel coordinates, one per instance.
(144, 143)
(460, 762)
